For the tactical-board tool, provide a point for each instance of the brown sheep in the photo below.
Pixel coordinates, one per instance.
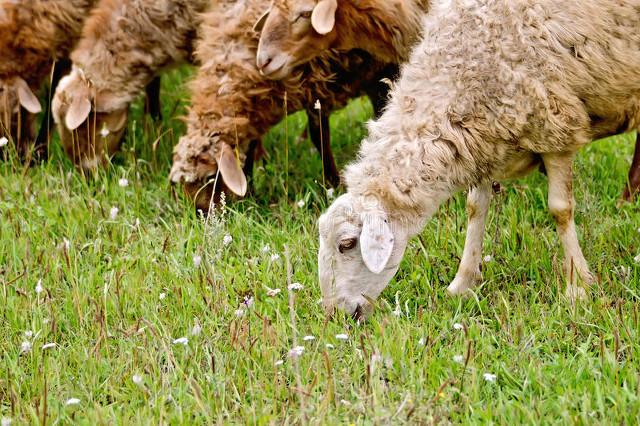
(34, 35)
(233, 105)
(124, 45)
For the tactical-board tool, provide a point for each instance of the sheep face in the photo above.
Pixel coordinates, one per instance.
(14, 95)
(293, 33)
(88, 134)
(360, 251)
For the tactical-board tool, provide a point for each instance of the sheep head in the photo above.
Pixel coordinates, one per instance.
(15, 94)
(90, 123)
(361, 247)
(292, 33)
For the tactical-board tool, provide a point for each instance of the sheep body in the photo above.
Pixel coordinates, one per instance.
(494, 87)
(233, 105)
(124, 45)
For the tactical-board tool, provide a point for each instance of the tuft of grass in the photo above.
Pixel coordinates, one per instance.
(156, 320)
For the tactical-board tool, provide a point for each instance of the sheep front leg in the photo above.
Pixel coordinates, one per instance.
(561, 205)
(319, 132)
(469, 273)
(633, 186)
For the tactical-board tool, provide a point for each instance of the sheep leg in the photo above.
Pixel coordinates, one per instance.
(633, 186)
(152, 103)
(249, 162)
(469, 274)
(378, 93)
(561, 205)
(320, 136)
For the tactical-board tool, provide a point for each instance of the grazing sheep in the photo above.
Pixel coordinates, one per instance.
(495, 88)
(233, 106)
(34, 35)
(124, 45)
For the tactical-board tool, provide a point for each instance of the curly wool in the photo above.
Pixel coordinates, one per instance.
(493, 84)
(233, 104)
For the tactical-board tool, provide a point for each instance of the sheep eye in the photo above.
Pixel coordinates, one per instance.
(303, 15)
(347, 244)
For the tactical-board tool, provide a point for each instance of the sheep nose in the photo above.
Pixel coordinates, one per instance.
(263, 61)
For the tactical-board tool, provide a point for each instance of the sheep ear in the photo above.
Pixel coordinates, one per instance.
(376, 242)
(231, 172)
(26, 97)
(78, 112)
(257, 27)
(323, 17)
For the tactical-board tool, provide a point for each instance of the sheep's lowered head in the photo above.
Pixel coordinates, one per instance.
(292, 33)
(91, 124)
(207, 167)
(361, 247)
(14, 94)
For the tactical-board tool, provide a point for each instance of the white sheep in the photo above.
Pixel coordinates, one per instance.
(494, 88)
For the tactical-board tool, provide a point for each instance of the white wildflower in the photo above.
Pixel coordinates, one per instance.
(317, 104)
(113, 213)
(331, 193)
(342, 336)
(309, 338)
(488, 258)
(345, 402)
(72, 401)
(197, 260)
(162, 296)
(6, 421)
(184, 341)
(422, 341)
(300, 204)
(266, 248)
(329, 346)
(48, 346)
(104, 132)
(275, 257)
(239, 312)
(296, 286)
(3, 141)
(28, 334)
(637, 259)
(137, 379)
(278, 363)
(458, 358)
(66, 244)
(39, 288)
(197, 329)
(123, 183)
(137, 223)
(25, 347)
(296, 352)
(458, 326)
(227, 240)
(491, 378)
(272, 292)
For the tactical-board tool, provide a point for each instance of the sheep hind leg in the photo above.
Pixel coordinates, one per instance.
(633, 185)
(469, 273)
(320, 136)
(152, 102)
(561, 205)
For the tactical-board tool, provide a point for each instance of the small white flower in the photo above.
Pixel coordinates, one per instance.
(3, 141)
(197, 329)
(397, 311)
(184, 341)
(296, 286)
(422, 341)
(458, 358)
(329, 346)
(6, 421)
(39, 288)
(317, 104)
(66, 243)
(488, 258)
(113, 213)
(278, 363)
(72, 401)
(123, 183)
(266, 248)
(331, 193)
(300, 204)
(227, 240)
(637, 259)
(296, 352)
(491, 378)
(345, 402)
(162, 296)
(104, 132)
(137, 379)
(458, 326)
(28, 334)
(137, 223)
(275, 257)
(342, 336)
(48, 346)
(272, 292)
(197, 260)
(638, 230)
(25, 347)
(309, 338)
(239, 312)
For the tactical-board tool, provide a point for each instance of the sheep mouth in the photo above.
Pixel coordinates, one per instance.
(275, 70)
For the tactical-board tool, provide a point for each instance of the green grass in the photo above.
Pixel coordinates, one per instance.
(114, 301)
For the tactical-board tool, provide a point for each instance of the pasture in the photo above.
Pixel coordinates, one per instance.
(119, 305)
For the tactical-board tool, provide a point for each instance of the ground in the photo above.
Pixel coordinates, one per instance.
(119, 305)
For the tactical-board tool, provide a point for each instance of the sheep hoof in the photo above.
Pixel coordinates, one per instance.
(459, 286)
(575, 293)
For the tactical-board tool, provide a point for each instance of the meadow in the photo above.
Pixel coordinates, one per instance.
(120, 305)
